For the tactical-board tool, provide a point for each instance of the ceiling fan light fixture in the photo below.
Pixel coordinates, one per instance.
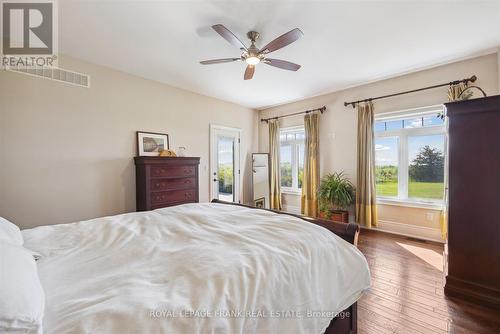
(252, 60)
(253, 55)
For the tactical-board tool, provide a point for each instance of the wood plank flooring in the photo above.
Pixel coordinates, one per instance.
(407, 291)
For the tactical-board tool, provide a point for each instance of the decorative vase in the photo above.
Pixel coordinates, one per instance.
(181, 152)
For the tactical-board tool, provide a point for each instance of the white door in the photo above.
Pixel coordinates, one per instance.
(225, 163)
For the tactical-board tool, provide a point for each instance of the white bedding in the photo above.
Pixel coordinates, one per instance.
(235, 269)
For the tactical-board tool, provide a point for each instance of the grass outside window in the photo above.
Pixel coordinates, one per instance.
(427, 190)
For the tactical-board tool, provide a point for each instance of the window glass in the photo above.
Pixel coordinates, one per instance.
(292, 158)
(409, 164)
(286, 165)
(301, 164)
(394, 125)
(225, 170)
(426, 167)
(433, 121)
(379, 126)
(386, 166)
(412, 123)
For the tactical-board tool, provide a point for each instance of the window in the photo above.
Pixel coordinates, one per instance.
(292, 158)
(409, 157)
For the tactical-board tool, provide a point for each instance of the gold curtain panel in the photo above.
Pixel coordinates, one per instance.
(274, 154)
(366, 206)
(310, 180)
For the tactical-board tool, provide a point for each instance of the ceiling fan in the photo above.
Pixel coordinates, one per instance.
(252, 55)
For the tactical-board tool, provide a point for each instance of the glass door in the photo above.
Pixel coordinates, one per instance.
(225, 170)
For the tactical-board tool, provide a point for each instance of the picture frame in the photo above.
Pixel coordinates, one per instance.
(150, 144)
(260, 203)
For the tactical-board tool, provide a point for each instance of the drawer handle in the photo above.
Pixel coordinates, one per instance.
(187, 181)
(187, 171)
(187, 195)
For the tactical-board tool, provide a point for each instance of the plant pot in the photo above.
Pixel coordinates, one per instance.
(340, 216)
(324, 215)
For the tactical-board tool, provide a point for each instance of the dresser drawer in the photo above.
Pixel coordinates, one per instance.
(173, 196)
(173, 184)
(173, 171)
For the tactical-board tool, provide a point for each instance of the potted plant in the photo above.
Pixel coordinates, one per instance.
(336, 194)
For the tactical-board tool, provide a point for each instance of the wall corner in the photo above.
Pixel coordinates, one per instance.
(498, 69)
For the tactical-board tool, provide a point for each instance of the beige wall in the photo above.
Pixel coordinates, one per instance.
(67, 152)
(338, 124)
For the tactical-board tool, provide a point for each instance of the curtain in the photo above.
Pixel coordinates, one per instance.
(310, 178)
(274, 154)
(366, 209)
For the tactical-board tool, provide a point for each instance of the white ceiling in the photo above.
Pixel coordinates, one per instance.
(344, 44)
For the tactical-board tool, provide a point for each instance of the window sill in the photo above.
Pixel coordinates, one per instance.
(411, 204)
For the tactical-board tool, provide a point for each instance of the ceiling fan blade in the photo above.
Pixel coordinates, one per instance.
(229, 36)
(283, 64)
(282, 41)
(218, 61)
(249, 72)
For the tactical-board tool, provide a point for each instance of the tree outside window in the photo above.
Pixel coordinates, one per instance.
(292, 158)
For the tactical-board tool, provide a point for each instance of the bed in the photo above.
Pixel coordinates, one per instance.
(199, 268)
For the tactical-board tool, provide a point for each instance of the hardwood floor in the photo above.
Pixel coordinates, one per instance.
(407, 291)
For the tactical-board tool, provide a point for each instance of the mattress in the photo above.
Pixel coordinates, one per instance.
(195, 268)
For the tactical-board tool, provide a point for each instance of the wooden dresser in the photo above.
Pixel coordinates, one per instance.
(162, 182)
(473, 243)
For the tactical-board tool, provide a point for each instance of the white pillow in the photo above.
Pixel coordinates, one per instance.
(10, 233)
(21, 294)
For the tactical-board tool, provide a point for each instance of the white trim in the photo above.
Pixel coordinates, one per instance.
(409, 230)
(406, 113)
(291, 191)
(411, 204)
(293, 128)
(238, 176)
(402, 139)
(294, 146)
(223, 127)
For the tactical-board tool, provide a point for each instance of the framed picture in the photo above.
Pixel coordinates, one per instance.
(151, 143)
(260, 203)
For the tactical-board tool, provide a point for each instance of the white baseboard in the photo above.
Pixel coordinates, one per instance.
(408, 230)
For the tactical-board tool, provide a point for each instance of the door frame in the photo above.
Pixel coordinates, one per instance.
(214, 129)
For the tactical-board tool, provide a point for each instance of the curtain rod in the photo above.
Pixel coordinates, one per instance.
(456, 82)
(321, 110)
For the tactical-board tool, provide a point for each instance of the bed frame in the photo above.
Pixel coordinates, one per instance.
(349, 232)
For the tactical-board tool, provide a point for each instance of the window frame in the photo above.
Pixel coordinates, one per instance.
(403, 159)
(295, 144)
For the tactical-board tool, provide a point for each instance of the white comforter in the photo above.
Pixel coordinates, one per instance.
(195, 268)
